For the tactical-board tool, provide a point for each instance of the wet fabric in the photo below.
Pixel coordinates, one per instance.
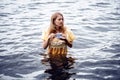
(57, 49)
(68, 32)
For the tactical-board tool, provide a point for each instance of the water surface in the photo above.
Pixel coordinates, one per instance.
(96, 24)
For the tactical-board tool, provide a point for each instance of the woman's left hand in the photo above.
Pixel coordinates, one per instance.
(63, 36)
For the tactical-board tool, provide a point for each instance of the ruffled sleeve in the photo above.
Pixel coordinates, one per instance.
(70, 35)
(44, 35)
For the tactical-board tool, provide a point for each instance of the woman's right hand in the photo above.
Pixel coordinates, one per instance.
(51, 36)
(46, 43)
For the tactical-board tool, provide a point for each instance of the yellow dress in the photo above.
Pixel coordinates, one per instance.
(57, 49)
(58, 46)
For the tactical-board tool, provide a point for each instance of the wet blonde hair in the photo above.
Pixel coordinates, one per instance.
(52, 28)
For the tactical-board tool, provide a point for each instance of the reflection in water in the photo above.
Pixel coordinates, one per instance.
(59, 75)
(59, 69)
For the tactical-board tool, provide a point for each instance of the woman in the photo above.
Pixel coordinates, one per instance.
(56, 39)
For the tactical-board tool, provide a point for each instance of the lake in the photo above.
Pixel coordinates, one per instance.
(96, 49)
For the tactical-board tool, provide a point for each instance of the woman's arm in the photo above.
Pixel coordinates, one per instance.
(46, 42)
(68, 43)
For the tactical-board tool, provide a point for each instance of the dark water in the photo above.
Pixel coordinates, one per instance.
(96, 24)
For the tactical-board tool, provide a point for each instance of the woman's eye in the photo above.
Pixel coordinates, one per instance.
(60, 19)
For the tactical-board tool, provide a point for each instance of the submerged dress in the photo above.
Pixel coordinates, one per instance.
(57, 49)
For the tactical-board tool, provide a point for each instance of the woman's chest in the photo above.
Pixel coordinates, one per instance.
(57, 43)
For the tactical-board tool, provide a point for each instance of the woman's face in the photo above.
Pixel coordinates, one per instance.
(59, 21)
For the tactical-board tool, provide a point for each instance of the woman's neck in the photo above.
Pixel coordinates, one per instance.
(57, 29)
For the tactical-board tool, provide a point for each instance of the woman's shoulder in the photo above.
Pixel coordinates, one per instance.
(45, 29)
(68, 29)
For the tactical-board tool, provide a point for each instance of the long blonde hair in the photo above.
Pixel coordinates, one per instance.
(52, 28)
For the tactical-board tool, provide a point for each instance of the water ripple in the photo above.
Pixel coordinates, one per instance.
(96, 49)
